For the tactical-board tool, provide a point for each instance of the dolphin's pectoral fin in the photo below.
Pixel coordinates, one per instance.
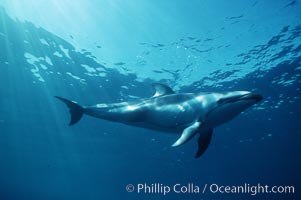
(162, 89)
(203, 142)
(188, 133)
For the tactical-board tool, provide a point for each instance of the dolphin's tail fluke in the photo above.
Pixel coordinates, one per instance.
(76, 111)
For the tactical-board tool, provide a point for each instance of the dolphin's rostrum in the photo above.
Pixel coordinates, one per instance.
(167, 111)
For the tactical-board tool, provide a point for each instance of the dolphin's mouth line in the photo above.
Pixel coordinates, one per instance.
(250, 96)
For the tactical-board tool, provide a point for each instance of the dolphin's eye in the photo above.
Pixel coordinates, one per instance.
(221, 101)
(227, 100)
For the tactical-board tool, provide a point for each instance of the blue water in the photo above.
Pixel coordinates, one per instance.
(112, 51)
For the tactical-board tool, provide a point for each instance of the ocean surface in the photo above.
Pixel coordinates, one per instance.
(102, 51)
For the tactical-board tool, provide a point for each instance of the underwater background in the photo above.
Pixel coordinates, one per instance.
(101, 51)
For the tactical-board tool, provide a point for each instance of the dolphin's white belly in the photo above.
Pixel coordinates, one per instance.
(174, 117)
(163, 114)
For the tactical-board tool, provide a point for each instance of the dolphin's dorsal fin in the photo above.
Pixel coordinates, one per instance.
(162, 89)
(188, 133)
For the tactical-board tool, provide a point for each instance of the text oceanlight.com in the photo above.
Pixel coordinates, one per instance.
(192, 188)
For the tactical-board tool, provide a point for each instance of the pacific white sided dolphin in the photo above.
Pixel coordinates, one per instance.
(167, 111)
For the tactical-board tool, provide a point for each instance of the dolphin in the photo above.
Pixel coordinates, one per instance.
(187, 114)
